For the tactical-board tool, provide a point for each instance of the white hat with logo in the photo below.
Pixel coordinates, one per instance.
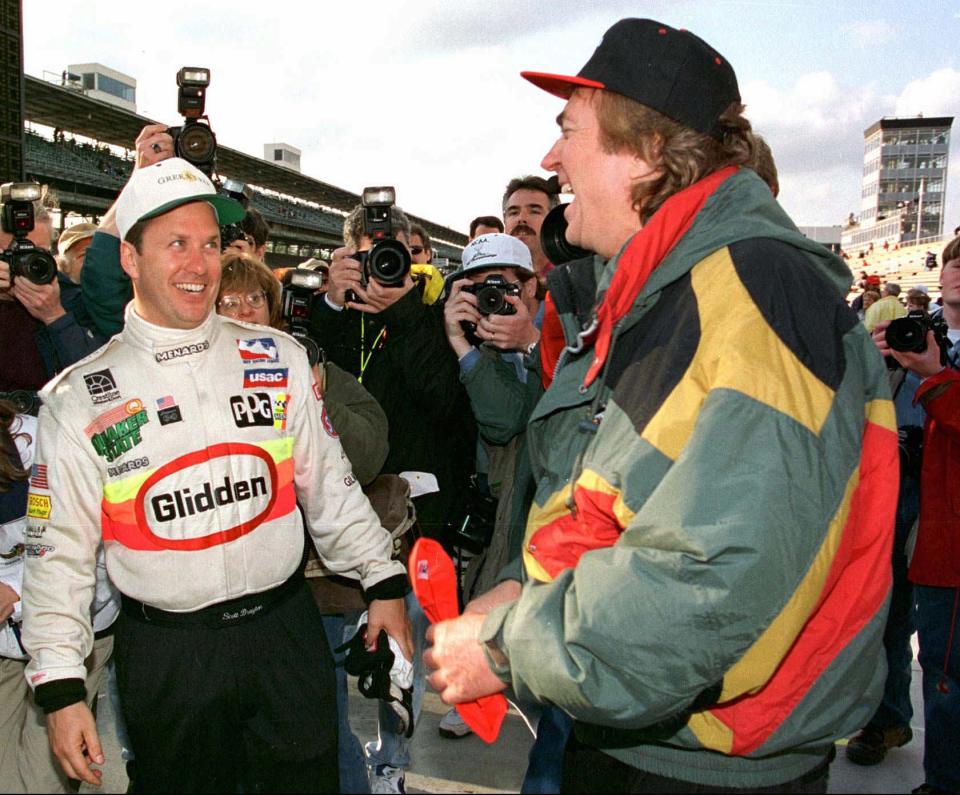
(495, 250)
(159, 188)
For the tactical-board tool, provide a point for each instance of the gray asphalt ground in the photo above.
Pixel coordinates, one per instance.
(468, 765)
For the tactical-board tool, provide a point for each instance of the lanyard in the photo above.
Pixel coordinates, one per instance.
(365, 360)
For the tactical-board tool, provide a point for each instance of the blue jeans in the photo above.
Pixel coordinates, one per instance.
(352, 766)
(545, 762)
(896, 710)
(391, 747)
(938, 618)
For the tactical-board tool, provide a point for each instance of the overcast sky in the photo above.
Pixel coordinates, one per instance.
(425, 95)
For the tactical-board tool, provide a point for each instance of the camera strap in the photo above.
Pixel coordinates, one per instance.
(366, 355)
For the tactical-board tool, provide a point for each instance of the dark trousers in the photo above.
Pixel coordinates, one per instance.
(247, 706)
(587, 769)
(896, 710)
(938, 629)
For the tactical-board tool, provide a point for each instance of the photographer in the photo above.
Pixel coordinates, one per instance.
(935, 565)
(392, 340)
(44, 327)
(489, 324)
(714, 458)
(488, 318)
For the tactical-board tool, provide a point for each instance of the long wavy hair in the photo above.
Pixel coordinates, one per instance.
(684, 154)
(11, 470)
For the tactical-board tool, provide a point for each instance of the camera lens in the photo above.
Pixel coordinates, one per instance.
(37, 267)
(907, 335)
(491, 301)
(389, 262)
(196, 144)
(553, 238)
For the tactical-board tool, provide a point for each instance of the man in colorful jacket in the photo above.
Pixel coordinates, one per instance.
(708, 551)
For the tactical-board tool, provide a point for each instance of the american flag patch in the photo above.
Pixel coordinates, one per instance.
(166, 402)
(39, 477)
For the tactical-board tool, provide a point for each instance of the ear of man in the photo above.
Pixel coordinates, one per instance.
(128, 260)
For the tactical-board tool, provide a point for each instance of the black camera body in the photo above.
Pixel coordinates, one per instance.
(909, 334)
(388, 261)
(194, 141)
(25, 259)
(299, 287)
(492, 295)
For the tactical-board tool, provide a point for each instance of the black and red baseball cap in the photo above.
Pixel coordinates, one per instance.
(669, 70)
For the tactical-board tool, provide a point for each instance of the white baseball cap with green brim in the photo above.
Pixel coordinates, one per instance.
(159, 188)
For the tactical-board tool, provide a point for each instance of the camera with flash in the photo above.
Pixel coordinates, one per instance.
(194, 141)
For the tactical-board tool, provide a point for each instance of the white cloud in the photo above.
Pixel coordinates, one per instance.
(815, 129)
(934, 95)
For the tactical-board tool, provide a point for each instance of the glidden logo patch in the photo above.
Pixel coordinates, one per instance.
(231, 486)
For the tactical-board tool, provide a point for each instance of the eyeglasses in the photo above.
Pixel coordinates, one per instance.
(230, 304)
(416, 250)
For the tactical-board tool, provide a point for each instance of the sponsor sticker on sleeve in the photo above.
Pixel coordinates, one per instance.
(38, 477)
(39, 506)
(38, 550)
(327, 425)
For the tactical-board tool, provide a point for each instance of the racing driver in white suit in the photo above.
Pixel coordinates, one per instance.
(185, 444)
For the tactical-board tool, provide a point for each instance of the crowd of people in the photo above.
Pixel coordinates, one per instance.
(699, 503)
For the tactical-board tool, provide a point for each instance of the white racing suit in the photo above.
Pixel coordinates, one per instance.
(186, 451)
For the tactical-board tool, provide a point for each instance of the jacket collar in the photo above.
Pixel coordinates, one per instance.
(168, 345)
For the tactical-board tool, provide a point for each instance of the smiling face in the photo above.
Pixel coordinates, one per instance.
(176, 273)
(601, 217)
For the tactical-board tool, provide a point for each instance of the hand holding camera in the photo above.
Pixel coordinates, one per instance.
(153, 145)
(924, 355)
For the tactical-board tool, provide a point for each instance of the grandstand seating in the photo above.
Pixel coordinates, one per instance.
(905, 266)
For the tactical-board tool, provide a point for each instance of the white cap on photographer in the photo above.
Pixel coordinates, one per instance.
(159, 188)
(495, 250)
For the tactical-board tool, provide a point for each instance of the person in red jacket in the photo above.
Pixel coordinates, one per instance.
(935, 566)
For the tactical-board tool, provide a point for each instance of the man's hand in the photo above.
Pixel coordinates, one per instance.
(391, 615)
(501, 593)
(40, 300)
(344, 274)
(153, 145)
(460, 670)
(4, 276)
(8, 598)
(74, 741)
(375, 298)
(509, 332)
(460, 307)
(923, 364)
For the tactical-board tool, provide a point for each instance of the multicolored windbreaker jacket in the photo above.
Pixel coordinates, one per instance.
(709, 545)
(187, 451)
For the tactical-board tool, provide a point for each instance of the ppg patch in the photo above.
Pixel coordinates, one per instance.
(262, 350)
